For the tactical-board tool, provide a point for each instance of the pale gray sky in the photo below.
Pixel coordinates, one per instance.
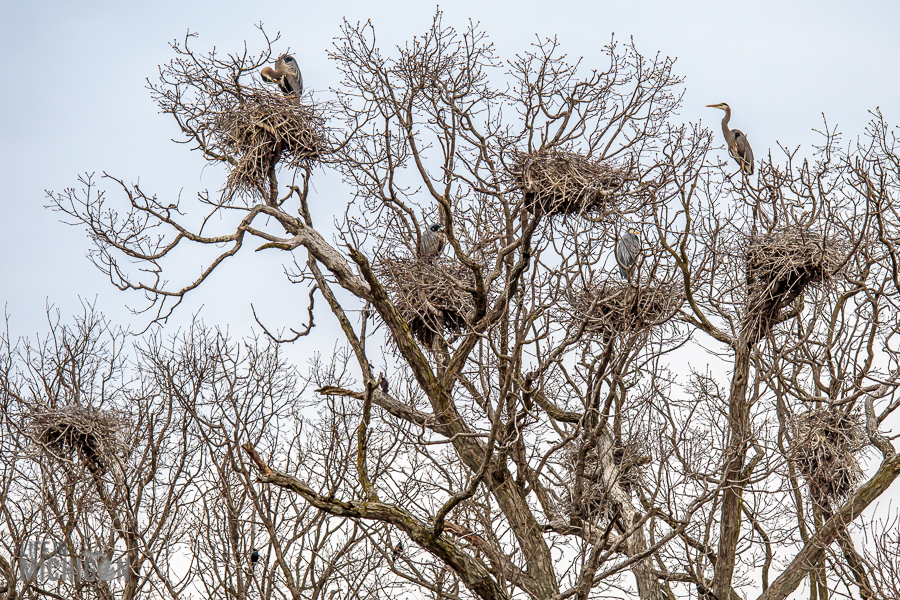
(75, 101)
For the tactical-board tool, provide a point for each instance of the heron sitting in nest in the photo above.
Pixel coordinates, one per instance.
(433, 242)
(286, 74)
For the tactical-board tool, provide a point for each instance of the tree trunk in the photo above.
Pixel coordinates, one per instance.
(739, 427)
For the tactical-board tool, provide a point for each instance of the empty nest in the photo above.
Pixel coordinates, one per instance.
(617, 306)
(629, 458)
(781, 265)
(97, 436)
(428, 295)
(825, 448)
(558, 182)
(262, 129)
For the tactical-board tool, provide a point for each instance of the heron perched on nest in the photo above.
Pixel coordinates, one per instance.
(286, 74)
(738, 146)
(627, 251)
(433, 242)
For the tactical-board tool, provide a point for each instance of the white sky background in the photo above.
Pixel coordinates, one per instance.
(74, 100)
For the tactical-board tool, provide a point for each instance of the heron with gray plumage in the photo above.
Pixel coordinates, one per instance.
(738, 146)
(433, 242)
(286, 74)
(627, 251)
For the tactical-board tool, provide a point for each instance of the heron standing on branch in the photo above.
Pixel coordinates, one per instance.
(286, 74)
(627, 251)
(738, 146)
(433, 242)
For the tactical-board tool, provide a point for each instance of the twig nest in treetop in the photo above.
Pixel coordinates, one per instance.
(783, 262)
(428, 295)
(628, 458)
(259, 129)
(557, 182)
(616, 306)
(97, 436)
(826, 448)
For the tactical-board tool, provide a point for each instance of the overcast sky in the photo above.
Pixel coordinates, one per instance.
(75, 101)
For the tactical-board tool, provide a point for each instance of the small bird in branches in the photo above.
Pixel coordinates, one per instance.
(704, 593)
(738, 146)
(433, 242)
(286, 74)
(254, 557)
(398, 550)
(627, 251)
(383, 384)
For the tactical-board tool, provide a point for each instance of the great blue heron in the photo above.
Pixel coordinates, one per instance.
(704, 593)
(738, 146)
(627, 251)
(398, 550)
(433, 242)
(286, 74)
(254, 557)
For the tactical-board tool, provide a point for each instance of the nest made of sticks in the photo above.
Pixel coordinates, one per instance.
(97, 436)
(559, 182)
(262, 129)
(629, 457)
(428, 294)
(616, 306)
(781, 264)
(826, 449)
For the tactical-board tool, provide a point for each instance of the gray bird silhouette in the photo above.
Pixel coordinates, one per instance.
(627, 251)
(433, 242)
(738, 146)
(286, 74)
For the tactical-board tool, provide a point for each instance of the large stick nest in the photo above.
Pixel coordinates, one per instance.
(262, 129)
(629, 457)
(615, 306)
(428, 294)
(97, 436)
(558, 182)
(782, 264)
(826, 449)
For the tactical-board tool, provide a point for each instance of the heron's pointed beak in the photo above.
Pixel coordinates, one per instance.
(712, 106)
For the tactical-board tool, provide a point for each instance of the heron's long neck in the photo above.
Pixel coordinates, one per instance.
(725, 120)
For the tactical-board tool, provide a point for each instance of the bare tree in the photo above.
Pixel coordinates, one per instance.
(540, 430)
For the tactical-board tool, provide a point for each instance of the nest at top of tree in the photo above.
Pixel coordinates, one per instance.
(826, 449)
(97, 436)
(429, 294)
(560, 182)
(628, 459)
(785, 261)
(616, 306)
(261, 129)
